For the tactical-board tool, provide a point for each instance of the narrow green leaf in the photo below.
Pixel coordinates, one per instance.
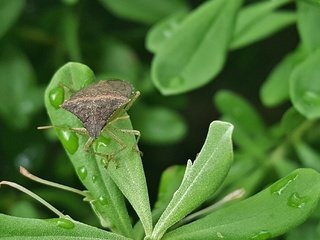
(9, 13)
(250, 131)
(163, 30)
(305, 86)
(308, 24)
(264, 28)
(197, 51)
(159, 125)
(17, 83)
(69, 26)
(258, 20)
(270, 213)
(202, 177)
(144, 11)
(275, 89)
(170, 181)
(105, 197)
(15, 228)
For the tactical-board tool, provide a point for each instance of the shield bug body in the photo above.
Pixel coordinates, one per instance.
(99, 104)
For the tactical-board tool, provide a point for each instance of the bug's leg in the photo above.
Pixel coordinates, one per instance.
(81, 131)
(124, 117)
(88, 144)
(131, 132)
(68, 88)
(113, 155)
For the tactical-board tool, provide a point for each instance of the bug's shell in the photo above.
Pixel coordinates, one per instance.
(95, 104)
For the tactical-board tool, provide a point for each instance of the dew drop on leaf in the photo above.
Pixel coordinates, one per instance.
(103, 201)
(69, 140)
(82, 172)
(94, 178)
(56, 97)
(262, 235)
(296, 201)
(62, 222)
(282, 184)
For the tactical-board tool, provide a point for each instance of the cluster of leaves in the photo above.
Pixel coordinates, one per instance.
(190, 49)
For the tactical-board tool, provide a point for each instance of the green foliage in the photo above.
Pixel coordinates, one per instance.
(225, 191)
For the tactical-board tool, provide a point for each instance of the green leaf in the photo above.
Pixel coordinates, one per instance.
(17, 83)
(170, 181)
(258, 21)
(69, 27)
(263, 28)
(119, 61)
(15, 228)
(144, 11)
(291, 120)
(158, 125)
(197, 51)
(202, 177)
(308, 25)
(250, 131)
(275, 89)
(270, 213)
(9, 13)
(105, 197)
(163, 30)
(305, 86)
(307, 155)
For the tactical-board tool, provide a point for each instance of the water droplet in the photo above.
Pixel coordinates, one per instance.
(102, 200)
(102, 142)
(311, 98)
(82, 172)
(69, 140)
(176, 82)
(94, 178)
(219, 235)
(281, 185)
(56, 97)
(262, 235)
(297, 201)
(62, 222)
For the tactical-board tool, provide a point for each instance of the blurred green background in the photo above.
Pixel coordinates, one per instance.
(37, 37)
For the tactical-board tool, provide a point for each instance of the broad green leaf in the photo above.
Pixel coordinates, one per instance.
(17, 84)
(163, 30)
(307, 155)
(305, 86)
(105, 197)
(254, 22)
(158, 125)
(308, 24)
(202, 177)
(197, 51)
(170, 181)
(9, 13)
(275, 89)
(263, 28)
(144, 11)
(15, 228)
(250, 131)
(270, 213)
(258, 20)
